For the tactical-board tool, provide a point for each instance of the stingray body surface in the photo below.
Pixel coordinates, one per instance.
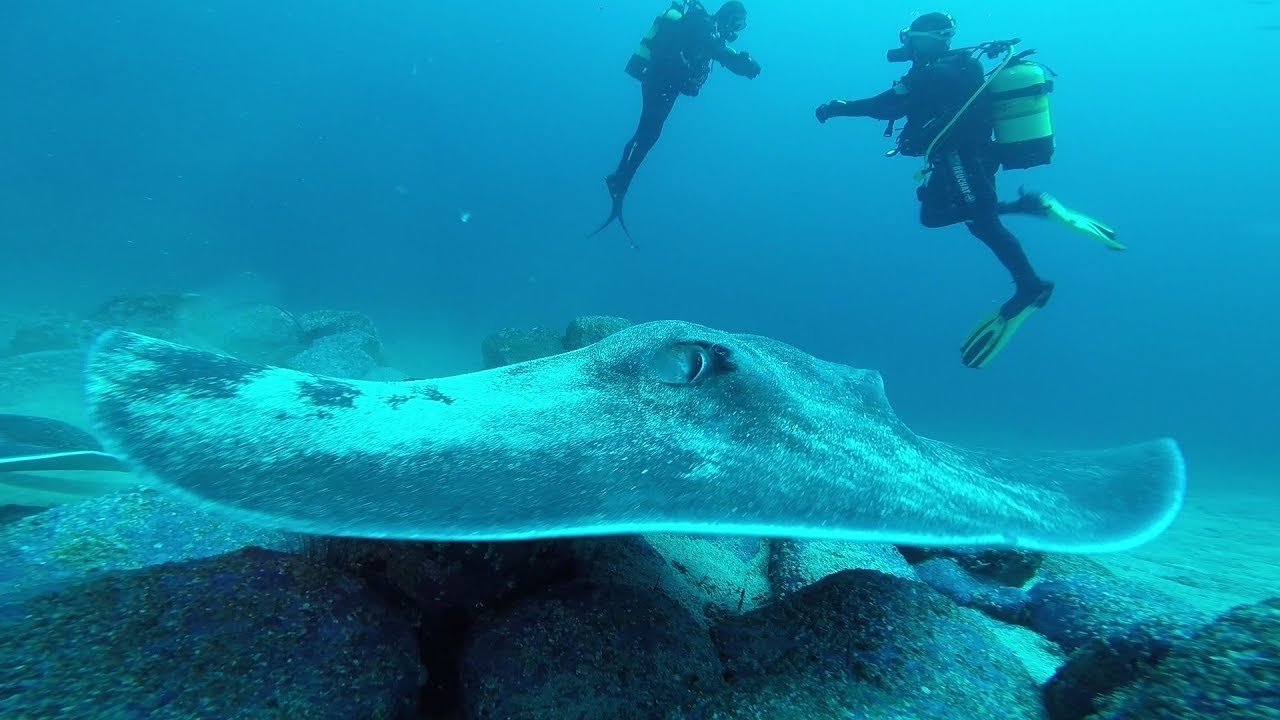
(663, 427)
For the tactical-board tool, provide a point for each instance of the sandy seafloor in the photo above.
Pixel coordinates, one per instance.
(1220, 552)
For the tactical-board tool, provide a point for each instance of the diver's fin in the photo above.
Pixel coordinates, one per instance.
(623, 224)
(615, 213)
(1046, 205)
(992, 334)
(608, 221)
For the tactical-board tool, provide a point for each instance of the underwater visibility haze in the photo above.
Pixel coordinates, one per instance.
(620, 359)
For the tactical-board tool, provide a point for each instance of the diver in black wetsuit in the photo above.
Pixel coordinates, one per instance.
(962, 166)
(675, 59)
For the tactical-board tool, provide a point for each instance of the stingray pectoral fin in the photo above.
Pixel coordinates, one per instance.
(1067, 501)
(33, 458)
(660, 427)
(29, 443)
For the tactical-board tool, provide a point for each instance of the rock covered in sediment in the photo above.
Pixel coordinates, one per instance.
(251, 634)
(860, 643)
(588, 650)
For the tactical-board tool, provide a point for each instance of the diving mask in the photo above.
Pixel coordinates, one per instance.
(731, 26)
(906, 35)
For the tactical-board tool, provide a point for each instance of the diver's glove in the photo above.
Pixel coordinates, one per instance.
(827, 111)
(743, 64)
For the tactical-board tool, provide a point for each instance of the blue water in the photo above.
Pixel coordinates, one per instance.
(326, 153)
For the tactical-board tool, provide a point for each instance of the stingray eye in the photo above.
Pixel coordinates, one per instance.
(697, 365)
(688, 363)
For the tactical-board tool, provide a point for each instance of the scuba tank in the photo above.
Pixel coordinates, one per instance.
(1019, 95)
(1017, 90)
(639, 62)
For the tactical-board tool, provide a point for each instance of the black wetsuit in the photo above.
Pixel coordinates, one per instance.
(681, 54)
(961, 184)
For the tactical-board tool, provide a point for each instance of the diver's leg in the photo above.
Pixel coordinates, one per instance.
(936, 206)
(1044, 205)
(1005, 246)
(657, 102)
(1031, 292)
(946, 198)
(1026, 204)
(985, 225)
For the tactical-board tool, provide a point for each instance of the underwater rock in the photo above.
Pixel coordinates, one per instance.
(319, 323)
(1110, 629)
(122, 531)
(436, 577)
(1228, 669)
(252, 634)
(160, 315)
(1075, 600)
(445, 587)
(584, 331)
(1004, 603)
(794, 564)
(1094, 670)
(708, 575)
(511, 345)
(729, 573)
(256, 333)
(386, 374)
(587, 650)
(323, 323)
(50, 332)
(1013, 568)
(341, 356)
(860, 643)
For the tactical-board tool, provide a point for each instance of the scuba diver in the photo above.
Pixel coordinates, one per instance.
(674, 58)
(953, 108)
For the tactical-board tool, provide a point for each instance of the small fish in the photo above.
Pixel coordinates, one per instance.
(464, 216)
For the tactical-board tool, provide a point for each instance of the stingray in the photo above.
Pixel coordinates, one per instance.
(662, 427)
(29, 443)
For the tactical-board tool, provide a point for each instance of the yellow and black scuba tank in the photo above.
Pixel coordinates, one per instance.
(1023, 127)
(639, 62)
(1016, 94)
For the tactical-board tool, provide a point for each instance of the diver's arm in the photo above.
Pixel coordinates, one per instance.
(888, 105)
(738, 63)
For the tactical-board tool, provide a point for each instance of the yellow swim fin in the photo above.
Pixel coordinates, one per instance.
(1046, 205)
(992, 334)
